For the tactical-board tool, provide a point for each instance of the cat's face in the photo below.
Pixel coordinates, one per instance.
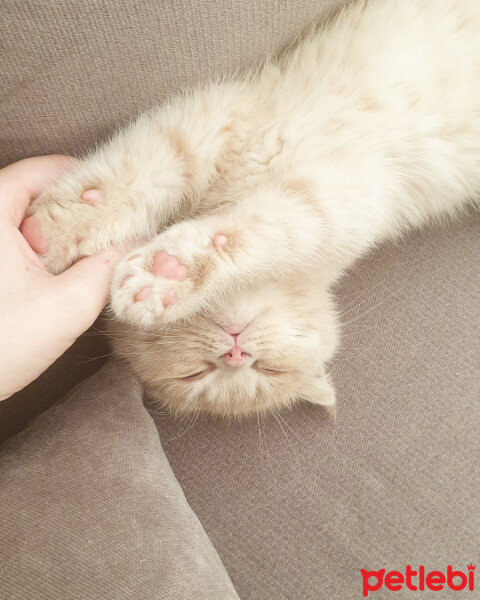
(261, 350)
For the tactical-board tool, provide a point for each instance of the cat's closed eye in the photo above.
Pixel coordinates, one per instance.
(198, 374)
(267, 370)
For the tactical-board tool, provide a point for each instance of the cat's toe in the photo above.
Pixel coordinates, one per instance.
(142, 294)
(92, 196)
(170, 297)
(220, 240)
(131, 296)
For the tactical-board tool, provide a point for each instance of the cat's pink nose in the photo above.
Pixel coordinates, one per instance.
(235, 357)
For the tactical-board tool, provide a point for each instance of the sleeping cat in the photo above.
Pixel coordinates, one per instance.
(249, 197)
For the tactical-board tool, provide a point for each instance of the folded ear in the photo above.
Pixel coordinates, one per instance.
(319, 390)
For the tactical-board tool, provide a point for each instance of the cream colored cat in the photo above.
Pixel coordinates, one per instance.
(264, 189)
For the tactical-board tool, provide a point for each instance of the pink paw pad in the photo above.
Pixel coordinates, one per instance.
(168, 266)
(31, 232)
(92, 196)
(170, 298)
(220, 240)
(142, 294)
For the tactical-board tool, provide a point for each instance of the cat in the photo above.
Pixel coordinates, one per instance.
(248, 198)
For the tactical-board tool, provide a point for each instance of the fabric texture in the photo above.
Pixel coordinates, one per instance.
(91, 509)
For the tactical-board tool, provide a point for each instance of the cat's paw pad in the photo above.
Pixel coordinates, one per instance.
(170, 278)
(145, 287)
(168, 299)
(173, 276)
(165, 265)
(220, 240)
(92, 196)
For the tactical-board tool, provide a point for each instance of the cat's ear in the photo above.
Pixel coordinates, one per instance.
(319, 390)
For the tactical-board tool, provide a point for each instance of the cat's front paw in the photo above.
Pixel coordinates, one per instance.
(170, 278)
(80, 214)
(63, 225)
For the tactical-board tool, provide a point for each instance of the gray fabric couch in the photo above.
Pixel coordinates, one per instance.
(297, 507)
(91, 508)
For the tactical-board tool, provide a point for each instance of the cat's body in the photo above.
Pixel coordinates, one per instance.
(268, 188)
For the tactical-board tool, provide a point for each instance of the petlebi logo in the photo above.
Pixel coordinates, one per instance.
(418, 580)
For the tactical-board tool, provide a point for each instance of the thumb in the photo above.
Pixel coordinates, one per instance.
(82, 291)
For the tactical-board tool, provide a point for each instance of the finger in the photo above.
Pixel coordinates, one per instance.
(23, 181)
(82, 291)
(30, 229)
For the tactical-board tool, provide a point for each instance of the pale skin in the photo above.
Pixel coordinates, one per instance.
(41, 314)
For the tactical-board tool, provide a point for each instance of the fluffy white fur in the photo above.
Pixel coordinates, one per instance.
(366, 128)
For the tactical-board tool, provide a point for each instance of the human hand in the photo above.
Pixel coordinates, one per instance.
(41, 315)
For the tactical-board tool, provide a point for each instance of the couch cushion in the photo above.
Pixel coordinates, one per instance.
(91, 509)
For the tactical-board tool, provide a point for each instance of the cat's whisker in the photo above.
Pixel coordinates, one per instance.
(278, 417)
(366, 312)
(86, 360)
(193, 420)
(355, 348)
(294, 452)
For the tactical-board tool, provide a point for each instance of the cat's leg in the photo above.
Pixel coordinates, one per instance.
(148, 174)
(194, 264)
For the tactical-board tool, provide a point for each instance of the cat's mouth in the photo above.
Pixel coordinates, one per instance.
(233, 328)
(236, 355)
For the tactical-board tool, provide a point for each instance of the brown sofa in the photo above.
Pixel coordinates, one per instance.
(295, 507)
